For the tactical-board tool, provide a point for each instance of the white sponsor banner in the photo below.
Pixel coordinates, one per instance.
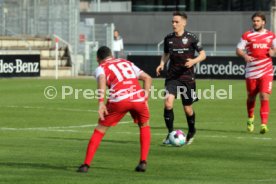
(223, 68)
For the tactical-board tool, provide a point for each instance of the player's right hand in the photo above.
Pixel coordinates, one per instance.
(271, 52)
(102, 110)
(159, 69)
(248, 58)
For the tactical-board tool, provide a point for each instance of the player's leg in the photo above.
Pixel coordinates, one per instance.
(265, 91)
(144, 146)
(168, 112)
(252, 90)
(250, 104)
(188, 97)
(140, 115)
(264, 111)
(116, 112)
(92, 147)
(168, 116)
(171, 91)
(190, 116)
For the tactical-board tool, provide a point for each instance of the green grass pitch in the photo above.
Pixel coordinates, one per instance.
(44, 141)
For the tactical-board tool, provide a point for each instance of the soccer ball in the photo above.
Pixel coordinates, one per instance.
(177, 138)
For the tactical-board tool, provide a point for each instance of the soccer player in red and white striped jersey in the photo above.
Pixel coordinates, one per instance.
(125, 95)
(256, 47)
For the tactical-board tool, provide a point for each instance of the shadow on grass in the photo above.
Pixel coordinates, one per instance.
(48, 166)
(34, 165)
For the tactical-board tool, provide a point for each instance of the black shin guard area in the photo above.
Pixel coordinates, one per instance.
(191, 122)
(169, 117)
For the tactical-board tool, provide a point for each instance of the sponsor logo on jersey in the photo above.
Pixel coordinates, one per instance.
(260, 46)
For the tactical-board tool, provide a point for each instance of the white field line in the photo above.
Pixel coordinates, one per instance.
(53, 109)
(81, 110)
(61, 129)
(36, 129)
(55, 129)
(84, 126)
(260, 138)
(76, 110)
(208, 136)
(265, 180)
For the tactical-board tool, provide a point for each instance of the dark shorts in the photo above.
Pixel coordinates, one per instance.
(185, 89)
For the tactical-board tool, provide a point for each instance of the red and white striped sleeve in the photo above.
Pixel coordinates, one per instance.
(99, 71)
(274, 43)
(136, 70)
(243, 42)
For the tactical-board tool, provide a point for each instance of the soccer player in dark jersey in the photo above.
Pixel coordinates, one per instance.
(179, 56)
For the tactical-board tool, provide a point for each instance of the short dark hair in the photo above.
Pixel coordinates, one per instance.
(103, 52)
(183, 15)
(259, 14)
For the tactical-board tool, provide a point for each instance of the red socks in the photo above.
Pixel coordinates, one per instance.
(144, 142)
(93, 144)
(97, 136)
(264, 112)
(250, 108)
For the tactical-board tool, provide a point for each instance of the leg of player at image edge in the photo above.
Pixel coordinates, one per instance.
(95, 142)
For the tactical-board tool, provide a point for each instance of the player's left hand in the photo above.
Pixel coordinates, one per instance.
(102, 111)
(189, 63)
